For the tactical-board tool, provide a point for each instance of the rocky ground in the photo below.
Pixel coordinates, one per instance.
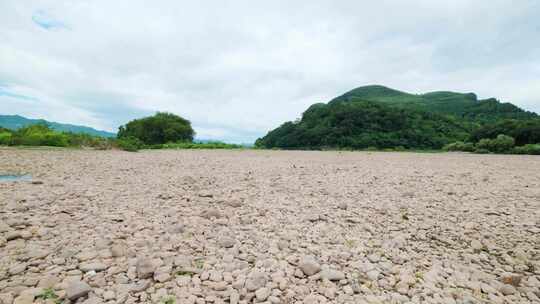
(269, 227)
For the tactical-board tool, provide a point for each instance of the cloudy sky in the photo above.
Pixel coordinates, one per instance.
(237, 69)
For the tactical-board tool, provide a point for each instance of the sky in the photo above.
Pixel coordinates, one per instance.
(237, 69)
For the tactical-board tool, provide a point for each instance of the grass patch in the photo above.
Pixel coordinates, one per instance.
(49, 294)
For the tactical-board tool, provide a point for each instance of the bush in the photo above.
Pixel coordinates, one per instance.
(131, 144)
(459, 146)
(5, 138)
(501, 144)
(158, 129)
(39, 135)
(481, 151)
(531, 149)
(207, 145)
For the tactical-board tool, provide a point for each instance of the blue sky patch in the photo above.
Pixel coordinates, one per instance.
(46, 21)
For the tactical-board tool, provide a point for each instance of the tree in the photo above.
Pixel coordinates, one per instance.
(158, 129)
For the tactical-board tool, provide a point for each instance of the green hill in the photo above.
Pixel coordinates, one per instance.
(461, 105)
(381, 117)
(15, 122)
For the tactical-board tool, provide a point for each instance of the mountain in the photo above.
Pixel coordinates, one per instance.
(380, 117)
(461, 105)
(15, 122)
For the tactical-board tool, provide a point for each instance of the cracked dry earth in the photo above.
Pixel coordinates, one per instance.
(269, 227)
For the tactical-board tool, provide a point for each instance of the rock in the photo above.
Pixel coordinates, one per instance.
(476, 245)
(373, 275)
(220, 286)
(309, 266)
(215, 276)
(234, 297)
(511, 279)
(86, 255)
(343, 206)
(109, 295)
(507, 290)
(262, 294)
(24, 299)
(140, 286)
(211, 213)
(17, 269)
(332, 275)
(145, 268)
(162, 277)
(92, 266)
(256, 280)
(13, 235)
(6, 298)
(77, 289)
(118, 250)
(48, 281)
(226, 242)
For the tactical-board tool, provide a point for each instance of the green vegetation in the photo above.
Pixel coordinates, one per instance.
(205, 145)
(158, 129)
(363, 124)
(49, 294)
(380, 118)
(43, 135)
(15, 122)
(129, 143)
(169, 300)
(465, 106)
(502, 144)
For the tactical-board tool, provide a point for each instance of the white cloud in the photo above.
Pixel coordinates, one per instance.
(239, 68)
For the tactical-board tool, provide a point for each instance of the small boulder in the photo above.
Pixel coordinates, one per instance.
(145, 268)
(77, 289)
(309, 266)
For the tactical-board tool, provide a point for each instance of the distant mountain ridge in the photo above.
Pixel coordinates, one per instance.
(15, 122)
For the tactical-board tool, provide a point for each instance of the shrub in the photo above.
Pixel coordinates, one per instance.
(481, 151)
(206, 145)
(39, 135)
(131, 144)
(158, 129)
(5, 138)
(531, 149)
(459, 146)
(501, 144)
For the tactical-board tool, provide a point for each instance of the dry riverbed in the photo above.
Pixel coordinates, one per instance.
(269, 226)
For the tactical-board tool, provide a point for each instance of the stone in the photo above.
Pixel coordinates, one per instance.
(24, 299)
(226, 242)
(234, 298)
(17, 269)
(476, 245)
(109, 295)
(511, 279)
(255, 280)
(211, 213)
(77, 289)
(309, 266)
(6, 298)
(118, 250)
(332, 275)
(13, 235)
(92, 266)
(507, 290)
(262, 294)
(145, 268)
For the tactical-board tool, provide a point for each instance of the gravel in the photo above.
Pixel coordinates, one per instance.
(269, 227)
